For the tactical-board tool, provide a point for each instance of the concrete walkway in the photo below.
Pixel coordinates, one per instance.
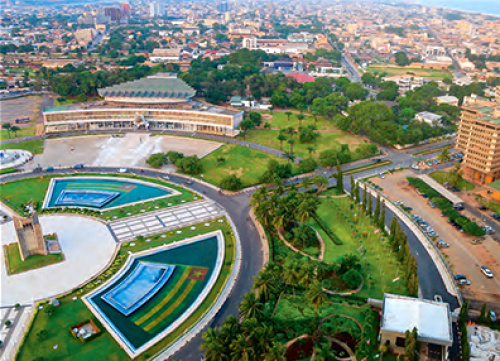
(87, 247)
(158, 222)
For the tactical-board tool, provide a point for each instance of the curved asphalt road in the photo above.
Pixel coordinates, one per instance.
(238, 208)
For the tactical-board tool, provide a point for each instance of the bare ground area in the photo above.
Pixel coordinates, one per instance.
(130, 150)
(463, 257)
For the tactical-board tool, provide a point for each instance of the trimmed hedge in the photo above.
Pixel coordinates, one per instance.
(328, 231)
(447, 208)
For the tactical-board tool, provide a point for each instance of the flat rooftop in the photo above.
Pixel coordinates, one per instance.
(432, 319)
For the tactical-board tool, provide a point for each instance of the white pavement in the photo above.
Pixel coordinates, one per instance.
(158, 222)
(88, 247)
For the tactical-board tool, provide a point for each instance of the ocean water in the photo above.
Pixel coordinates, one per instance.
(491, 7)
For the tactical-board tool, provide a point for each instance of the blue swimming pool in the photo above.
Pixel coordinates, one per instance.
(140, 285)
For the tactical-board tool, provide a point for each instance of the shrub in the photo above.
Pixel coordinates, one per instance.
(308, 165)
(157, 160)
(231, 183)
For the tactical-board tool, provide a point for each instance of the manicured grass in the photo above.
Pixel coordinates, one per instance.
(442, 177)
(279, 119)
(16, 265)
(8, 170)
(397, 70)
(34, 146)
(24, 191)
(24, 132)
(246, 163)
(380, 266)
(104, 346)
(327, 140)
(288, 310)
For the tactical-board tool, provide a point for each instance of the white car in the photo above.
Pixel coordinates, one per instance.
(464, 282)
(486, 271)
(415, 166)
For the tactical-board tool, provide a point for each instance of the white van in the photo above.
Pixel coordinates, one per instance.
(123, 170)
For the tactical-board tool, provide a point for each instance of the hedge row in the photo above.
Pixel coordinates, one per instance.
(447, 208)
(328, 231)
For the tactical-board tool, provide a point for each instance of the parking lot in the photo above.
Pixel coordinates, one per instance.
(463, 256)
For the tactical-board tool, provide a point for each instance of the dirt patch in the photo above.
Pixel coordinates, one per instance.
(300, 349)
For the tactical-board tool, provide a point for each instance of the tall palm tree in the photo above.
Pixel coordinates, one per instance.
(315, 295)
(274, 352)
(307, 209)
(263, 284)
(300, 117)
(288, 114)
(290, 142)
(250, 306)
(291, 131)
(315, 114)
(444, 156)
(15, 129)
(311, 150)
(241, 350)
(281, 138)
(214, 349)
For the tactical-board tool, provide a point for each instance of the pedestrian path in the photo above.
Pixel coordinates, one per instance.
(176, 217)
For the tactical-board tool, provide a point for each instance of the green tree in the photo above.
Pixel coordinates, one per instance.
(231, 183)
(402, 58)
(316, 295)
(376, 214)
(157, 160)
(482, 315)
(281, 138)
(288, 114)
(353, 187)
(7, 127)
(189, 165)
(290, 143)
(308, 165)
(382, 215)
(300, 117)
(250, 306)
(444, 156)
(363, 204)
(340, 179)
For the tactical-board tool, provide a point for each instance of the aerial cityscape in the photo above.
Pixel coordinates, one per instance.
(250, 180)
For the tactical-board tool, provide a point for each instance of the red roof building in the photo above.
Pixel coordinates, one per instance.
(301, 78)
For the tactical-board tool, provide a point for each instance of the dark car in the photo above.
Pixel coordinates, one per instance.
(78, 166)
(50, 169)
(454, 189)
(483, 208)
(460, 277)
(459, 208)
(425, 195)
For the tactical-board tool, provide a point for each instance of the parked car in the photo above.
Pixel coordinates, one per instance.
(486, 271)
(381, 175)
(415, 166)
(436, 161)
(454, 189)
(49, 169)
(441, 244)
(459, 208)
(425, 195)
(493, 316)
(398, 203)
(433, 234)
(78, 166)
(123, 170)
(476, 241)
(483, 208)
(460, 277)
(463, 282)
(432, 204)
(488, 229)
(429, 163)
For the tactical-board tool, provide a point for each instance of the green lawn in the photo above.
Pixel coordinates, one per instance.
(24, 132)
(34, 146)
(16, 265)
(246, 163)
(327, 140)
(442, 177)
(8, 170)
(397, 70)
(279, 119)
(379, 263)
(104, 347)
(24, 191)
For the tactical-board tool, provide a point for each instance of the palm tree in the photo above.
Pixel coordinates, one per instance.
(324, 352)
(7, 127)
(291, 131)
(311, 150)
(290, 142)
(214, 349)
(307, 209)
(250, 306)
(315, 114)
(241, 349)
(306, 183)
(315, 295)
(290, 157)
(320, 182)
(274, 352)
(263, 284)
(288, 114)
(300, 117)
(444, 156)
(281, 138)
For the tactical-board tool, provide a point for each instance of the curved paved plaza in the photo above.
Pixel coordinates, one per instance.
(87, 246)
